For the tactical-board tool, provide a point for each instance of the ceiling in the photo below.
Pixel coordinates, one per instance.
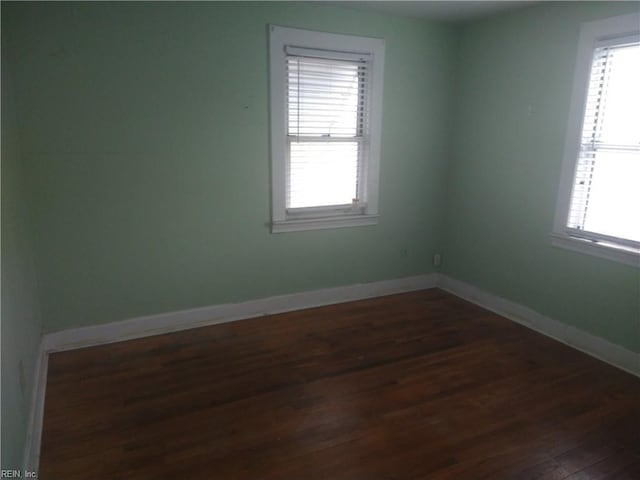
(451, 11)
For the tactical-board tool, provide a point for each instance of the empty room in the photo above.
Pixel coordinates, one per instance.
(320, 240)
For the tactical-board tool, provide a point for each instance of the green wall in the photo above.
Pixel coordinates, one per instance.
(514, 81)
(135, 168)
(146, 150)
(20, 330)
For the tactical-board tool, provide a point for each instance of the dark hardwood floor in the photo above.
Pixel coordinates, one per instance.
(420, 385)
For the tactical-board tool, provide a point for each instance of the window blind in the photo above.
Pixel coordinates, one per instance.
(327, 100)
(605, 200)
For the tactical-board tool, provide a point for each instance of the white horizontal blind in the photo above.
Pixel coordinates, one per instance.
(605, 200)
(327, 99)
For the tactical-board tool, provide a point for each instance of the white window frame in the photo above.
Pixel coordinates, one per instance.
(315, 218)
(592, 35)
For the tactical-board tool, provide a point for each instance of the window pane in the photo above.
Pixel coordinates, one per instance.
(324, 97)
(322, 174)
(620, 115)
(614, 195)
(606, 192)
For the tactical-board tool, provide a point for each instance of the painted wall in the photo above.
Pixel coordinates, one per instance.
(514, 79)
(145, 146)
(140, 147)
(20, 319)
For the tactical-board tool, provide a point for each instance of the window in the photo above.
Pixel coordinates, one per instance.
(599, 203)
(326, 101)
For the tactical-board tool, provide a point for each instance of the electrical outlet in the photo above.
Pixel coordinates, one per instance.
(436, 260)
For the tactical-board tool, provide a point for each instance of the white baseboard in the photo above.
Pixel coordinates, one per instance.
(216, 314)
(579, 339)
(185, 319)
(36, 415)
(200, 317)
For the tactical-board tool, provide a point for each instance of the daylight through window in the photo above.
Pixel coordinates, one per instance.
(605, 200)
(326, 117)
(326, 128)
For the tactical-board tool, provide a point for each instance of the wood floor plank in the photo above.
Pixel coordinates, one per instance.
(420, 385)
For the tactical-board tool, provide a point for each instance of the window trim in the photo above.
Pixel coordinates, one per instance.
(592, 35)
(366, 212)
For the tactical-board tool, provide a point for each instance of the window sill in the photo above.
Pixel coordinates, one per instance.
(323, 223)
(617, 253)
